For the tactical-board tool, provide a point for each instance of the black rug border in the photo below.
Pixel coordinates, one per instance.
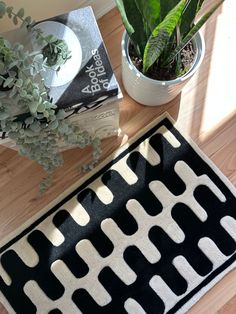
(164, 122)
(203, 284)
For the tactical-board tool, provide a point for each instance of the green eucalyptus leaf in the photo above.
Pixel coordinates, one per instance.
(2, 68)
(63, 128)
(12, 74)
(46, 114)
(23, 93)
(29, 120)
(35, 127)
(2, 94)
(21, 13)
(8, 82)
(33, 71)
(14, 126)
(27, 82)
(9, 11)
(29, 133)
(51, 106)
(7, 44)
(53, 125)
(41, 107)
(35, 93)
(23, 24)
(4, 115)
(61, 114)
(40, 116)
(28, 19)
(15, 20)
(19, 83)
(2, 9)
(53, 118)
(38, 58)
(33, 106)
(3, 124)
(13, 92)
(29, 140)
(13, 135)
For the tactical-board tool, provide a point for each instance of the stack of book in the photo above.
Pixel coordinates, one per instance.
(93, 95)
(85, 87)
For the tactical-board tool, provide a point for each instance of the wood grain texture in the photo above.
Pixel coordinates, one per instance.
(206, 111)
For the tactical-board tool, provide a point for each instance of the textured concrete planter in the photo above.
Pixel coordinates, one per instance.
(151, 92)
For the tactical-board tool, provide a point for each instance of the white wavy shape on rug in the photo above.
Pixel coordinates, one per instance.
(164, 292)
(212, 252)
(41, 300)
(89, 282)
(133, 307)
(103, 193)
(229, 224)
(192, 181)
(77, 212)
(124, 170)
(169, 136)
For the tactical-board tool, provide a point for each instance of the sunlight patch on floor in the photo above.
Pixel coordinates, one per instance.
(220, 102)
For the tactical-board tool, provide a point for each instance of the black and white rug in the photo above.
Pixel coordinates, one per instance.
(150, 232)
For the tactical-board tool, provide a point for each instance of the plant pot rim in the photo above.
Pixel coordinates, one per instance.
(199, 44)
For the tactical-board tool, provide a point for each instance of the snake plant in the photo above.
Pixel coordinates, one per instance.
(160, 29)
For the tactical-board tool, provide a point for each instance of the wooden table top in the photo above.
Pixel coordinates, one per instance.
(206, 110)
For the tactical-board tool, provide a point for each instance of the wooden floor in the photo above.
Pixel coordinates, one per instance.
(206, 111)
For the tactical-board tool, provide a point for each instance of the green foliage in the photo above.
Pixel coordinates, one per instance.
(40, 128)
(55, 50)
(161, 35)
(133, 24)
(191, 33)
(150, 11)
(167, 26)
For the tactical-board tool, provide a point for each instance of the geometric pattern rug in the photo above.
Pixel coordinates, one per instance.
(149, 231)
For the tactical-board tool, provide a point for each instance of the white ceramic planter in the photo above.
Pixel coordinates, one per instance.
(151, 92)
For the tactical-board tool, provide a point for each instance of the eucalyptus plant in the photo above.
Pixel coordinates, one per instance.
(160, 29)
(27, 115)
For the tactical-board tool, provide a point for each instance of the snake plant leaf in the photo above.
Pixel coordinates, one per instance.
(200, 3)
(192, 32)
(166, 7)
(133, 22)
(189, 14)
(191, 9)
(150, 11)
(161, 35)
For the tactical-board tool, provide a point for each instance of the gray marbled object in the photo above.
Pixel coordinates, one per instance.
(95, 79)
